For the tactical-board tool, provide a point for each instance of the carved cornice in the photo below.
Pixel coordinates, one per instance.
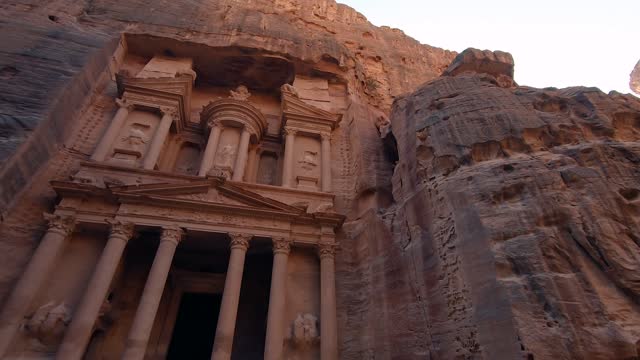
(327, 250)
(121, 229)
(172, 234)
(239, 241)
(281, 245)
(60, 224)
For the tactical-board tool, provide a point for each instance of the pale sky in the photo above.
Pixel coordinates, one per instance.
(555, 43)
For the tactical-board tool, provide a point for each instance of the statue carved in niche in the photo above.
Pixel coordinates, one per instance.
(48, 324)
(225, 156)
(289, 89)
(240, 93)
(136, 138)
(309, 161)
(304, 331)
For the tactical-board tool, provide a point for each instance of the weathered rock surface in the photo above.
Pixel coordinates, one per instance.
(634, 83)
(499, 64)
(515, 224)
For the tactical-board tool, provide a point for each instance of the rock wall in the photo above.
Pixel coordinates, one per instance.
(634, 82)
(516, 208)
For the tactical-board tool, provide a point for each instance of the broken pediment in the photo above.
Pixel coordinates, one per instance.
(297, 113)
(173, 92)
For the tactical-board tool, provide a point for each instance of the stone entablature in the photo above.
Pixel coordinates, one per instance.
(213, 204)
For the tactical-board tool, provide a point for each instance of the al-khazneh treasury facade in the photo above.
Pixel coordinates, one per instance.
(203, 225)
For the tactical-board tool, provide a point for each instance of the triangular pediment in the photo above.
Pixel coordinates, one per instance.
(208, 192)
(293, 107)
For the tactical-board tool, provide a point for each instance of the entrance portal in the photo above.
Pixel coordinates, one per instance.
(195, 327)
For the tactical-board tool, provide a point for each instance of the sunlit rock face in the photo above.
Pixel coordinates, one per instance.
(518, 208)
(634, 83)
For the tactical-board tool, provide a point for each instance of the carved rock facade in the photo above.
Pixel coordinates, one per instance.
(251, 149)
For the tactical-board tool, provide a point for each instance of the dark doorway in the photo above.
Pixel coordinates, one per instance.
(195, 327)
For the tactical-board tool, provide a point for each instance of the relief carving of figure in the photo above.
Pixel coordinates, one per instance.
(309, 160)
(240, 93)
(48, 323)
(304, 330)
(225, 156)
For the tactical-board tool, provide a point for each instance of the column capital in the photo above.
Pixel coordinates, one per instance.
(173, 234)
(121, 229)
(289, 131)
(124, 104)
(281, 245)
(239, 241)
(325, 136)
(167, 110)
(61, 224)
(327, 250)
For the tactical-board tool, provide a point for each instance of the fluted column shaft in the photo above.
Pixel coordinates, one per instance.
(287, 171)
(210, 150)
(326, 162)
(36, 272)
(79, 332)
(148, 307)
(102, 150)
(159, 137)
(328, 316)
(241, 159)
(223, 343)
(277, 300)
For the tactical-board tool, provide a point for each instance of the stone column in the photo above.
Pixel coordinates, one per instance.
(328, 316)
(287, 172)
(109, 137)
(252, 162)
(140, 331)
(79, 332)
(34, 275)
(241, 159)
(210, 150)
(326, 162)
(277, 300)
(159, 137)
(226, 327)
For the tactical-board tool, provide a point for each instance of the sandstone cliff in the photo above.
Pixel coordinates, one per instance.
(514, 228)
(634, 83)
